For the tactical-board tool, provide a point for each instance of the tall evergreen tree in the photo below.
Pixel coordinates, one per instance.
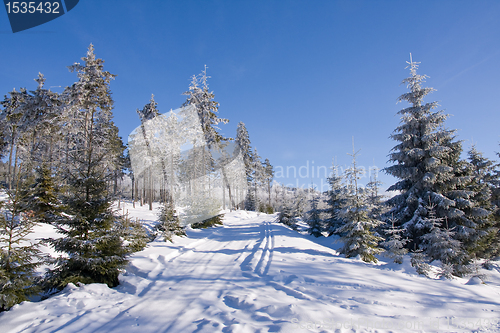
(202, 98)
(314, 217)
(425, 160)
(357, 225)
(44, 197)
(268, 177)
(440, 244)
(91, 231)
(12, 130)
(243, 142)
(169, 224)
(480, 240)
(394, 244)
(19, 257)
(335, 200)
(258, 176)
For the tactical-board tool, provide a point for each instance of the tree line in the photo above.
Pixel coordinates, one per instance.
(446, 208)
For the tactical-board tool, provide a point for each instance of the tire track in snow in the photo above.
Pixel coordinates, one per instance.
(258, 262)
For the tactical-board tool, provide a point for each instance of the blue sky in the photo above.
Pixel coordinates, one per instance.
(304, 76)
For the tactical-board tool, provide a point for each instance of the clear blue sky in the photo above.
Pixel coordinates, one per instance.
(304, 76)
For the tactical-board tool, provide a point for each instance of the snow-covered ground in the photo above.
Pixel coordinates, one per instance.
(255, 275)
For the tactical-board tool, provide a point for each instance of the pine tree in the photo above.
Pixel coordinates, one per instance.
(480, 241)
(439, 244)
(314, 219)
(202, 98)
(375, 199)
(336, 199)
(133, 233)
(357, 224)
(426, 161)
(287, 216)
(419, 261)
(44, 197)
(394, 244)
(258, 176)
(243, 142)
(19, 257)
(495, 207)
(207, 108)
(169, 224)
(268, 177)
(91, 231)
(41, 124)
(12, 131)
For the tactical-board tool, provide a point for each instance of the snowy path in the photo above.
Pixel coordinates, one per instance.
(254, 275)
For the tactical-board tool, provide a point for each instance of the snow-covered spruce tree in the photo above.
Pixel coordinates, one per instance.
(288, 216)
(268, 178)
(420, 262)
(314, 217)
(207, 108)
(292, 207)
(202, 98)
(12, 132)
(168, 223)
(91, 236)
(41, 124)
(394, 244)
(30, 128)
(426, 161)
(133, 233)
(251, 203)
(439, 243)
(481, 241)
(19, 257)
(375, 199)
(495, 207)
(44, 196)
(357, 225)
(258, 176)
(336, 199)
(243, 142)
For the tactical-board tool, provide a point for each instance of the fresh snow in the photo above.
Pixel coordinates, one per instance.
(256, 275)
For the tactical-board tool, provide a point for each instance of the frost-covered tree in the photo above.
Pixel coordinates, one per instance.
(90, 230)
(420, 262)
(268, 178)
(44, 196)
(314, 217)
(425, 161)
(12, 130)
(439, 244)
(202, 98)
(375, 199)
(292, 207)
(41, 124)
(168, 223)
(394, 244)
(19, 257)
(288, 215)
(335, 200)
(480, 241)
(133, 233)
(243, 142)
(258, 177)
(356, 231)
